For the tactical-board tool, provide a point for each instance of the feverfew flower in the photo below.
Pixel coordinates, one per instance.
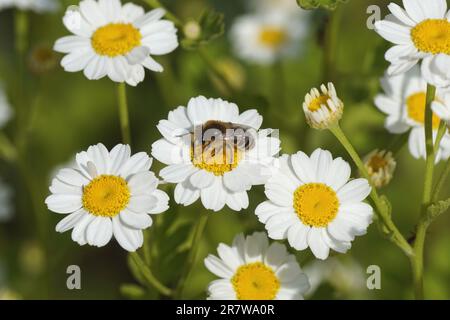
(115, 41)
(323, 108)
(218, 180)
(380, 165)
(421, 31)
(109, 193)
(39, 6)
(403, 102)
(251, 269)
(265, 38)
(312, 203)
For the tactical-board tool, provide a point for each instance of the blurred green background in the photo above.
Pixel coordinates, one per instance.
(70, 113)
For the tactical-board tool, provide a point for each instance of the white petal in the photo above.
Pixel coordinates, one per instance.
(162, 204)
(62, 203)
(70, 221)
(317, 245)
(218, 267)
(186, 194)
(214, 196)
(129, 239)
(135, 220)
(354, 191)
(99, 232)
(298, 236)
(202, 179)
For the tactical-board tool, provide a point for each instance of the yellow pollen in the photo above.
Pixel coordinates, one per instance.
(106, 196)
(272, 37)
(377, 163)
(318, 102)
(255, 281)
(432, 36)
(316, 204)
(217, 164)
(415, 105)
(116, 39)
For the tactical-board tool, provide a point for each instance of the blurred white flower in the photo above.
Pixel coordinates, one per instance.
(251, 269)
(35, 5)
(442, 108)
(218, 178)
(109, 193)
(346, 276)
(421, 31)
(312, 203)
(267, 37)
(114, 40)
(403, 101)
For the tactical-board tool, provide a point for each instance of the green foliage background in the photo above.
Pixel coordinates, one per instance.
(73, 113)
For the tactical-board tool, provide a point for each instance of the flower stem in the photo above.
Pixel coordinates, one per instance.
(421, 230)
(442, 179)
(149, 276)
(381, 207)
(123, 113)
(199, 229)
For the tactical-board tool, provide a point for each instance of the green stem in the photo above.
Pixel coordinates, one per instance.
(441, 182)
(429, 166)
(381, 208)
(417, 259)
(123, 113)
(198, 233)
(149, 276)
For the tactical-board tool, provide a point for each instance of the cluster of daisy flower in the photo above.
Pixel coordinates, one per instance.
(311, 200)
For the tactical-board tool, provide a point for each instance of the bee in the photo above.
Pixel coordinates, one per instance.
(215, 140)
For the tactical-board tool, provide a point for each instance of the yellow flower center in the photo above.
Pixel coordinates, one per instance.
(272, 37)
(116, 39)
(415, 105)
(219, 163)
(316, 204)
(106, 196)
(432, 36)
(318, 102)
(376, 163)
(255, 281)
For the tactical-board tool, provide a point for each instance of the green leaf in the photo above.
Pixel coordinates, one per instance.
(314, 4)
(199, 32)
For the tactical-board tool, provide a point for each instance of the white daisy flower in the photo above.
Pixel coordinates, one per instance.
(313, 204)
(216, 180)
(35, 5)
(403, 102)
(115, 41)
(109, 193)
(421, 31)
(265, 38)
(380, 165)
(5, 108)
(6, 208)
(323, 108)
(251, 269)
